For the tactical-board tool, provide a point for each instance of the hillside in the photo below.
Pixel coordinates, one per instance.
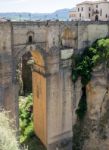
(59, 14)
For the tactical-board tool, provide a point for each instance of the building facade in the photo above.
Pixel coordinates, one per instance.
(91, 11)
(73, 14)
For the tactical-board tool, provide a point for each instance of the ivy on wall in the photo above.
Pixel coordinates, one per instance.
(83, 66)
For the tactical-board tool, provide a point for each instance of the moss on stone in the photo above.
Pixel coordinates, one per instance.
(83, 66)
(81, 132)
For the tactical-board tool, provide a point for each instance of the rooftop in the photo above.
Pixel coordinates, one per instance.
(3, 20)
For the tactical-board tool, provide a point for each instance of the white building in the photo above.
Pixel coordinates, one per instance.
(92, 10)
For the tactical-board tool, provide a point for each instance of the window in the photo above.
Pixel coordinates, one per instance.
(89, 15)
(96, 6)
(101, 12)
(30, 39)
(106, 15)
(82, 8)
(96, 18)
(96, 11)
(78, 9)
(80, 15)
(92, 12)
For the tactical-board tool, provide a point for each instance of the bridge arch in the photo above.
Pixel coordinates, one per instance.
(28, 48)
(37, 62)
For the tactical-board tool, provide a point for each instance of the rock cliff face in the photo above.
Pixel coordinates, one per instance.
(92, 132)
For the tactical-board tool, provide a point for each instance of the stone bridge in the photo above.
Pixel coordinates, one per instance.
(51, 45)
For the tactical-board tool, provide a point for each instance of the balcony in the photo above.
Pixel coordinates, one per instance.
(95, 12)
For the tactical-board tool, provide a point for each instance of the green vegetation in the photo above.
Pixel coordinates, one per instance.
(83, 65)
(97, 53)
(26, 119)
(27, 135)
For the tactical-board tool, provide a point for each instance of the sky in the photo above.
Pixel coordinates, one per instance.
(42, 6)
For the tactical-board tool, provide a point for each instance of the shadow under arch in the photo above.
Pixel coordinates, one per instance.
(30, 48)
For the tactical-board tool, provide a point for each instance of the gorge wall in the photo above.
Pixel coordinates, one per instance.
(92, 133)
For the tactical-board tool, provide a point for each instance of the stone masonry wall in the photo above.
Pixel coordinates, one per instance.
(50, 38)
(7, 93)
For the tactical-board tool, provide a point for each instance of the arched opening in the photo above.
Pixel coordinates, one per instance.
(96, 18)
(32, 107)
(30, 39)
(26, 74)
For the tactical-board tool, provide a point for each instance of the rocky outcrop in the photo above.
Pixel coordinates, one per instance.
(92, 132)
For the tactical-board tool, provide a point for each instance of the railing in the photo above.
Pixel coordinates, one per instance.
(96, 12)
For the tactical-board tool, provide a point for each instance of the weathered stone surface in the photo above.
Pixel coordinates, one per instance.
(62, 98)
(94, 134)
(97, 101)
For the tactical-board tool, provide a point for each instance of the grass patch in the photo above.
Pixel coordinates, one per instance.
(27, 134)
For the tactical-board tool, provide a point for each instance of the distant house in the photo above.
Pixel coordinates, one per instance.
(91, 11)
(73, 14)
(3, 20)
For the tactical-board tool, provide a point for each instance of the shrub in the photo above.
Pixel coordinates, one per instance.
(83, 66)
(26, 118)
